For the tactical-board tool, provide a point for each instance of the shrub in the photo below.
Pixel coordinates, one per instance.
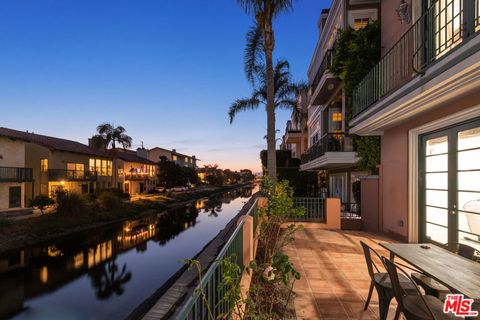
(5, 223)
(41, 201)
(70, 202)
(109, 200)
(119, 193)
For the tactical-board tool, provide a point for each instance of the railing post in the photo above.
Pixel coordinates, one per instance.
(469, 17)
(332, 213)
(248, 238)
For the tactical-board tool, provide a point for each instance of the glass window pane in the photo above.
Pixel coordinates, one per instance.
(437, 215)
(71, 166)
(469, 181)
(437, 233)
(437, 146)
(469, 201)
(469, 222)
(437, 181)
(437, 198)
(437, 163)
(469, 139)
(469, 160)
(98, 164)
(469, 239)
(91, 165)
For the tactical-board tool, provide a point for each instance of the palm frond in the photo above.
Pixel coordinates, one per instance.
(242, 105)
(253, 57)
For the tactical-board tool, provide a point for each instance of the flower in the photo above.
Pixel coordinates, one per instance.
(269, 274)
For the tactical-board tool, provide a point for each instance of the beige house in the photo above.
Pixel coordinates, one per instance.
(423, 99)
(136, 174)
(329, 146)
(182, 160)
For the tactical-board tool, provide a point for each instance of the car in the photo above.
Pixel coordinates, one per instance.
(160, 189)
(179, 189)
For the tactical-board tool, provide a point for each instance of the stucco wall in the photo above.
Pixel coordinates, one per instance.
(392, 27)
(4, 194)
(12, 153)
(394, 169)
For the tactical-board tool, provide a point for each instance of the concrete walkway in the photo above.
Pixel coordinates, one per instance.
(335, 281)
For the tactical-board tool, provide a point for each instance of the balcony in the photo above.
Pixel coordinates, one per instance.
(134, 176)
(332, 151)
(16, 174)
(324, 82)
(442, 29)
(293, 133)
(71, 175)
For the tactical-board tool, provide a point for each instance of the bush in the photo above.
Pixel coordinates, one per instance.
(41, 201)
(5, 223)
(109, 200)
(70, 202)
(119, 193)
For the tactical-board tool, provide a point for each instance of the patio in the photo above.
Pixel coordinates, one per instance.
(335, 281)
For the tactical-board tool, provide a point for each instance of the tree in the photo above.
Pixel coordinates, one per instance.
(109, 135)
(260, 39)
(41, 201)
(285, 97)
(171, 174)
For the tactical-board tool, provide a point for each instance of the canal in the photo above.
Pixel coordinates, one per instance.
(107, 273)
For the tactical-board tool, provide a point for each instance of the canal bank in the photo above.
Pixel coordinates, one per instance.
(26, 232)
(106, 274)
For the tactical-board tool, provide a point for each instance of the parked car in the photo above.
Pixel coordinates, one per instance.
(160, 189)
(179, 189)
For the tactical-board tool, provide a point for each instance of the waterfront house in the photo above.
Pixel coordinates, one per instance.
(295, 138)
(422, 98)
(135, 172)
(182, 160)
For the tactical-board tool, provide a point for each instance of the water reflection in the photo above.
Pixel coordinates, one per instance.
(100, 259)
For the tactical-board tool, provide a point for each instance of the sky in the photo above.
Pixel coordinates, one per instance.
(166, 70)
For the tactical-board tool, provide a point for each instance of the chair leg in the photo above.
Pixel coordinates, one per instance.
(369, 296)
(383, 304)
(397, 314)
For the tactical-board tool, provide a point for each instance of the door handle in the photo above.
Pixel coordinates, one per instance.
(454, 211)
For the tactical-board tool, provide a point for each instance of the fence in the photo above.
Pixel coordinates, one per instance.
(15, 174)
(314, 209)
(350, 211)
(208, 299)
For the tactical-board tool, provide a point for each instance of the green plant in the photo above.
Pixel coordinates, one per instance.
(5, 223)
(41, 201)
(70, 202)
(108, 200)
(357, 192)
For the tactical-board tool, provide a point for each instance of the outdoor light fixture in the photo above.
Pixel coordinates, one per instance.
(403, 12)
(330, 87)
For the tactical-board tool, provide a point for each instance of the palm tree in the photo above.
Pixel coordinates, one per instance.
(285, 97)
(110, 135)
(260, 39)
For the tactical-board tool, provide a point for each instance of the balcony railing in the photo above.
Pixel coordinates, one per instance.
(138, 176)
(324, 66)
(314, 209)
(71, 175)
(293, 126)
(331, 142)
(440, 28)
(16, 174)
(350, 210)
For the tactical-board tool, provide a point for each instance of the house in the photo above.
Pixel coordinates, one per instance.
(330, 148)
(49, 164)
(295, 138)
(423, 99)
(182, 160)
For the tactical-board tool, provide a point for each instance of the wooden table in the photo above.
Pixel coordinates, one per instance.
(458, 274)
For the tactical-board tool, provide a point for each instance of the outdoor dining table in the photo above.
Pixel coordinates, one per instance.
(459, 274)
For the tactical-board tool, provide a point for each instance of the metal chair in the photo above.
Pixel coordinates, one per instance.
(381, 282)
(414, 306)
(433, 287)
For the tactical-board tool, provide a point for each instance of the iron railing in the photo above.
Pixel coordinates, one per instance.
(331, 142)
(350, 210)
(314, 209)
(208, 298)
(138, 176)
(292, 126)
(324, 66)
(71, 175)
(444, 25)
(16, 174)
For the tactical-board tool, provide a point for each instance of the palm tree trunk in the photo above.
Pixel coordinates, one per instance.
(271, 141)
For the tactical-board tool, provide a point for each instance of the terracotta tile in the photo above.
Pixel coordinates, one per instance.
(332, 310)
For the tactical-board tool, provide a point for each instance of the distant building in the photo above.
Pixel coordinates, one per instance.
(182, 160)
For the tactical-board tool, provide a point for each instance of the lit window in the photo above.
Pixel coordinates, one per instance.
(104, 168)
(98, 165)
(91, 165)
(44, 165)
(174, 158)
(109, 168)
(359, 23)
(337, 117)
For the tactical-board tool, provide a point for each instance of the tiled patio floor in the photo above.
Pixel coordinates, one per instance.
(335, 281)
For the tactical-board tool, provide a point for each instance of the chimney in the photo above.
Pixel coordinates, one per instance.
(174, 151)
(142, 152)
(97, 143)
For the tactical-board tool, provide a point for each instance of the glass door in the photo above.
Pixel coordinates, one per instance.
(450, 185)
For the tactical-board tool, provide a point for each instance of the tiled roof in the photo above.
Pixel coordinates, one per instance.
(130, 156)
(51, 142)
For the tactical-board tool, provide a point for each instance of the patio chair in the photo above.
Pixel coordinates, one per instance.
(381, 282)
(433, 287)
(414, 306)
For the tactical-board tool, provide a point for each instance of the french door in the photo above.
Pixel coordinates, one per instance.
(450, 185)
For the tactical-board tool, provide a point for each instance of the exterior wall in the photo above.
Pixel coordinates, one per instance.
(131, 185)
(12, 154)
(370, 204)
(394, 165)
(5, 192)
(155, 154)
(394, 29)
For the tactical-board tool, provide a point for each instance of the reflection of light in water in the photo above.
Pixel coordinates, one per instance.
(44, 274)
(102, 252)
(78, 260)
(130, 237)
(53, 251)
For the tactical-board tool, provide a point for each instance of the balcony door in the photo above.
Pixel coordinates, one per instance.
(450, 185)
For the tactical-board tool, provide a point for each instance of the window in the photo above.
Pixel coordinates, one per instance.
(104, 168)
(91, 165)
(109, 168)
(337, 117)
(101, 167)
(174, 158)
(359, 23)
(44, 165)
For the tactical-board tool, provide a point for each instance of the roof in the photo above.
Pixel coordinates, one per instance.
(131, 156)
(51, 142)
(176, 153)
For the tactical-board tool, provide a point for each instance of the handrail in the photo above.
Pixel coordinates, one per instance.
(16, 174)
(324, 66)
(440, 28)
(331, 142)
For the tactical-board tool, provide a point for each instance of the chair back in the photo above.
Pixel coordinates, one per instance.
(462, 250)
(372, 267)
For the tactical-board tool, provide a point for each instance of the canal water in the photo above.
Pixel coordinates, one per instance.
(107, 273)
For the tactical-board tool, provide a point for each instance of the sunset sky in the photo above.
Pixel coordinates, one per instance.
(165, 70)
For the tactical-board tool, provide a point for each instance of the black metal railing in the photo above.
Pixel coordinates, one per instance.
(331, 142)
(16, 174)
(138, 176)
(350, 210)
(314, 209)
(293, 126)
(71, 175)
(440, 28)
(324, 66)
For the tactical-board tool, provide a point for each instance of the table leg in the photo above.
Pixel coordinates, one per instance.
(392, 255)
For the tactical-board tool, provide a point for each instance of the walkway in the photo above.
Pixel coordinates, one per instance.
(335, 281)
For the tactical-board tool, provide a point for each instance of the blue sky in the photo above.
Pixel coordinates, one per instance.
(166, 70)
